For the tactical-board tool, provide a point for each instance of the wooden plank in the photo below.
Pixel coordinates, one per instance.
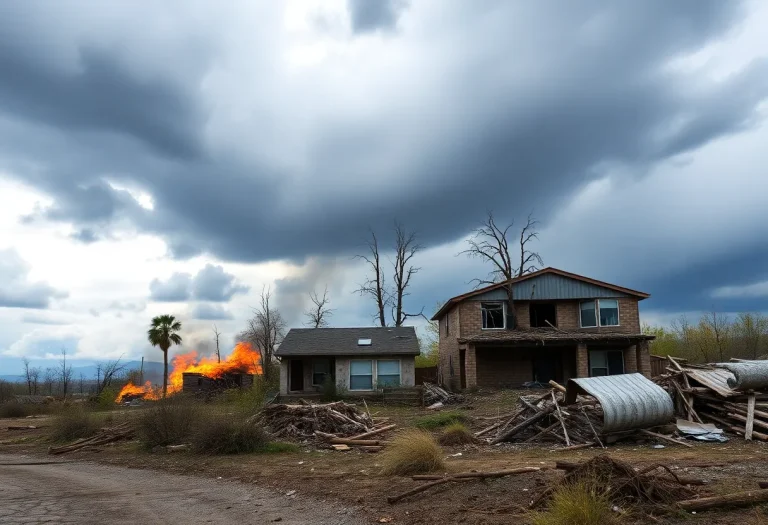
(665, 438)
(562, 421)
(750, 418)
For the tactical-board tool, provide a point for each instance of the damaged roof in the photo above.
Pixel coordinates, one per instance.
(545, 335)
(549, 270)
(400, 340)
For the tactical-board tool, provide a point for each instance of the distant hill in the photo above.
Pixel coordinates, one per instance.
(153, 371)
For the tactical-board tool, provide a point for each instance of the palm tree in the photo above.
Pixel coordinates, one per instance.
(164, 332)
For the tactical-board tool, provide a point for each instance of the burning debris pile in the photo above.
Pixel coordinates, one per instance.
(732, 395)
(303, 421)
(591, 411)
(242, 362)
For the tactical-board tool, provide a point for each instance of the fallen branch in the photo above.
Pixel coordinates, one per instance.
(347, 441)
(737, 499)
(665, 438)
(373, 432)
(464, 476)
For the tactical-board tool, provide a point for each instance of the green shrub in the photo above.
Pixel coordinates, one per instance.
(106, 399)
(456, 434)
(440, 419)
(412, 452)
(167, 422)
(14, 409)
(227, 435)
(73, 423)
(280, 447)
(577, 504)
(330, 391)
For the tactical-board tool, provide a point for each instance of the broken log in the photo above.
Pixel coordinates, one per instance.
(522, 426)
(665, 438)
(557, 386)
(28, 427)
(575, 447)
(373, 432)
(479, 475)
(346, 441)
(422, 488)
(737, 499)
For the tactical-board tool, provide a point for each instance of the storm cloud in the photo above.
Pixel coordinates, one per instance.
(17, 290)
(211, 283)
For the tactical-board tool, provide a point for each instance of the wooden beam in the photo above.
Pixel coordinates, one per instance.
(750, 418)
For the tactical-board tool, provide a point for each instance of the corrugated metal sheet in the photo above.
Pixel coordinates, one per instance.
(747, 375)
(550, 286)
(629, 401)
(716, 379)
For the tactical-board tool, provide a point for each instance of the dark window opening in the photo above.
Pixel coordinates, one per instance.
(493, 315)
(606, 362)
(542, 314)
(447, 324)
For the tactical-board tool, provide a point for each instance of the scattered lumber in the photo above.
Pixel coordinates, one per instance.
(104, 436)
(374, 432)
(331, 438)
(666, 438)
(304, 420)
(464, 476)
(737, 499)
(435, 394)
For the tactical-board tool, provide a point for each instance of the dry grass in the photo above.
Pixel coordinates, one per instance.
(74, 423)
(167, 422)
(456, 434)
(577, 504)
(227, 435)
(412, 452)
(12, 409)
(441, 419)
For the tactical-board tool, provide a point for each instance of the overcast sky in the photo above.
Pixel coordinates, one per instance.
(179, 156)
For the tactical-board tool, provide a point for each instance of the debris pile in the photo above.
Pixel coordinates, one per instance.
(104, 436)
(591, 411)
(622, 483)
(732, 395)
(304, 420)
(435, 394)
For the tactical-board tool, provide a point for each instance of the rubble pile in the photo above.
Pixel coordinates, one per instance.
(732, 395)
(435, 394)
(304, 420)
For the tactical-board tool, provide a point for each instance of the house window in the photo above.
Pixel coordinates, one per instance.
(608, 310)
(493, 315)
(606, 362)
(321, 368)
(361, 375)
(588, 315)
(447, 324)
(543, 315)
(388, 372)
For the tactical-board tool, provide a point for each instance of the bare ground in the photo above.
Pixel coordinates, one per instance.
(34, 491)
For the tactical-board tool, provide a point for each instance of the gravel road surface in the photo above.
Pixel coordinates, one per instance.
(86, 493)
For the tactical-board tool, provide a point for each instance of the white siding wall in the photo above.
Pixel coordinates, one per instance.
(407, 372)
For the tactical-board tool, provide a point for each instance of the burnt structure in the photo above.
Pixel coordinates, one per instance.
(194, 382)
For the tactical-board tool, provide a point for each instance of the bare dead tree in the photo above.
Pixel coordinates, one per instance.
(490, 243)
(375, 286)
(34, 376)
(27, 374)
(48, 379)
(266, 330)
(720, 327)
(406, 246)
(318, 314)
(64, 372)
(216, 335)
(106, 373)
(82, 383)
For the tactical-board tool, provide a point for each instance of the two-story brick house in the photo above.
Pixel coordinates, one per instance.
(567, 325)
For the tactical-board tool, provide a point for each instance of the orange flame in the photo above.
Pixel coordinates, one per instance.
(243, 360)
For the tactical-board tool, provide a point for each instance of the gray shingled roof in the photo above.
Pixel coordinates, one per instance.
(343, 341)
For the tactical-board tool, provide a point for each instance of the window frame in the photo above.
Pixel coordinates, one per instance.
(399, 370)
(597, 313)
(329, 373)
(503, 314)
(607, 366)
(373, 375)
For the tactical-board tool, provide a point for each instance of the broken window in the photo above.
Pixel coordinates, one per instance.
(543, 315)
(588, 315)
(606, 362)
(609, 312)
(493, 315)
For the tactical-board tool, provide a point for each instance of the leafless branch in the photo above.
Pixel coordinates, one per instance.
(265, 330)
(374, 286)
(406, 247)
(216, 335)
(318, 314)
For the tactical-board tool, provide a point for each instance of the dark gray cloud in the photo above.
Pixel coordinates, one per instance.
(16, 290)
(372, 15)
(516, 106)
(211, 283)
(211, 312)
(85, 236)
(175, 289)
(291, 294)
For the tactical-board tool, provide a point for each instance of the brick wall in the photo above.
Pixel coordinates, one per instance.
(448, 350)
(629, 316)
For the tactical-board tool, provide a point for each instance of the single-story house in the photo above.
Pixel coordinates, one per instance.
(356, 359)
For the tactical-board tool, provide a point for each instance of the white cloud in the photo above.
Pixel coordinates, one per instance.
(758, 289)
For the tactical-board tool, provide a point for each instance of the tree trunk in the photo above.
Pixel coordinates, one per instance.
(165, 372)
(511, 320)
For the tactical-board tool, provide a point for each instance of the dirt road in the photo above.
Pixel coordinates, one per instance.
(86, 493)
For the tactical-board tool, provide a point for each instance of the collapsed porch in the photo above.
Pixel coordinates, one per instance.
(511, 358)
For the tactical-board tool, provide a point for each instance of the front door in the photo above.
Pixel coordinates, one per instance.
(296, 382)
